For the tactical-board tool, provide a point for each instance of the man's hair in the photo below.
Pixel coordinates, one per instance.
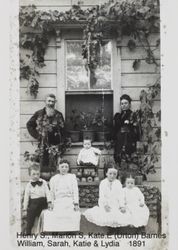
(51, 95)
(34, 166)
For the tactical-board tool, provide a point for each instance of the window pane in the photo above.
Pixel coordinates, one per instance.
(102, 77)
(77, 77)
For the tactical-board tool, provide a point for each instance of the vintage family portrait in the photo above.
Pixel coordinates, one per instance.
(90, 117)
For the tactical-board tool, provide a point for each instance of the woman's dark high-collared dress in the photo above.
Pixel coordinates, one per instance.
(125, 135)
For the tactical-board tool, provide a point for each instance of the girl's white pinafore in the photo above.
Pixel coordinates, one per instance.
(64, 192)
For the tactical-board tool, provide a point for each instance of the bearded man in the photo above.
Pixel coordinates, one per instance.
(47, 126)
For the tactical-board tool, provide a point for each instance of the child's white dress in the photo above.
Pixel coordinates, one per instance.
(90, 155)
(64, 192)
(109, 194)
(131, 200)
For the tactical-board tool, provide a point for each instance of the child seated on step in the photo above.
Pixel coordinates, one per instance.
(88, 156)
(36, 198)
(133, 203)
(108, 212)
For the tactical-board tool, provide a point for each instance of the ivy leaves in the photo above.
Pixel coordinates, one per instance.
(26, 16)
(32, 58)
(136, 64)
(151, 132)
(131, 45)
(135, 18)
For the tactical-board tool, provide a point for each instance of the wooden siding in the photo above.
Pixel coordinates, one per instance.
(132, 82)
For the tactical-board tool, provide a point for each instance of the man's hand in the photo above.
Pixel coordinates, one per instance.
(50, 206)
(107, 208)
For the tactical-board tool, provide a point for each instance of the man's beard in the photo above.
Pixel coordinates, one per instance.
(50, 111)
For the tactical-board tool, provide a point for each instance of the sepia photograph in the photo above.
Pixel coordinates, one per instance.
(90, 122)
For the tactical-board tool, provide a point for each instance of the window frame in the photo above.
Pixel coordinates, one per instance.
(74, 34)
(84, 91)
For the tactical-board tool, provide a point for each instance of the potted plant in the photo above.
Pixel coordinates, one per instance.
(139, 166)
(102, 124)
(129, 166)
(87, 121)
(135, 167)
(74, 126)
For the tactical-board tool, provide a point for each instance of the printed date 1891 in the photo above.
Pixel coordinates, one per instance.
(137, 243)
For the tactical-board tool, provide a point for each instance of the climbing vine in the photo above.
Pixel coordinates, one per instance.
(148, 151)
(143, 161)
(136, 19)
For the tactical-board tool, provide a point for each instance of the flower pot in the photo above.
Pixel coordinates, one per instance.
(79, 174)
(93, 174)
(89, 179)
(88, 134)
(74, 135)
(86, 173)
(102, 136)
(138, 180)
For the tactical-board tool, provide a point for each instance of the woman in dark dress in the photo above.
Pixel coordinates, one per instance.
(125, 130)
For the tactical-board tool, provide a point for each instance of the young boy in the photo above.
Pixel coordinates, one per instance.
(88, 154)
(36, 198)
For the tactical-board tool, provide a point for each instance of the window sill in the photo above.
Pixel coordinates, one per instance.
(76, 144)
(89, 92)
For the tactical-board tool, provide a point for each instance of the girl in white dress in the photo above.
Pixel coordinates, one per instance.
(133, 203)
(65, 215)
(108, 213)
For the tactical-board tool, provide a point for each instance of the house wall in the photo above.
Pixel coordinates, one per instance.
(132, 82)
